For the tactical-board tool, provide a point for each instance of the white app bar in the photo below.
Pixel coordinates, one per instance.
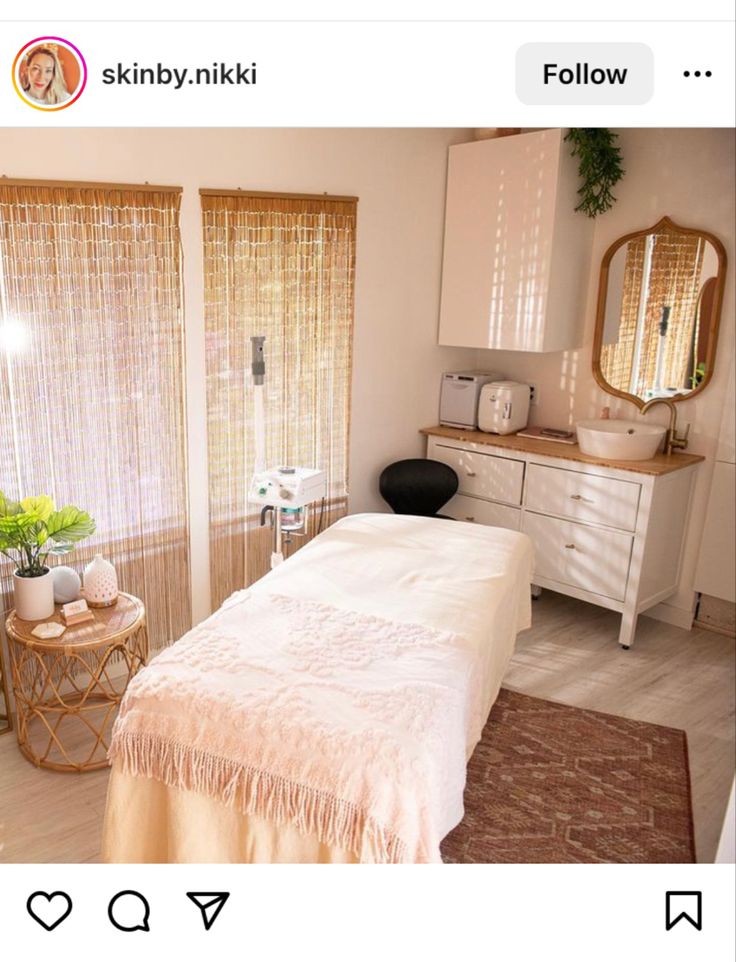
(372, 74)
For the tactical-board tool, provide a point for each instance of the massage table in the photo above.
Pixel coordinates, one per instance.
(429, 610)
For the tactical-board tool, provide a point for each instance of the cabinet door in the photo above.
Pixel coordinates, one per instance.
(593, 559)
(484, 475)
(463, 508)
(499, 227)
(516, 254)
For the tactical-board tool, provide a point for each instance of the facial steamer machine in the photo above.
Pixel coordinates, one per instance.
(286, 491)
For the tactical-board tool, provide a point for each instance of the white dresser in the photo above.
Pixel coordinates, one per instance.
(610, 533)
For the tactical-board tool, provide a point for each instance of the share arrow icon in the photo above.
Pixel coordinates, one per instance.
(209, 904)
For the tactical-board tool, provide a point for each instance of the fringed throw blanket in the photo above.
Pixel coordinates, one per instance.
(348, 726)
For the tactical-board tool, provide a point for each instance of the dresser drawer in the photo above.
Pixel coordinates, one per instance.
(593, 559)
(582, 497)
(463, 508)
(484, 475)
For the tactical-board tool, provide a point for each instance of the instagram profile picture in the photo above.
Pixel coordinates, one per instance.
(49, 73)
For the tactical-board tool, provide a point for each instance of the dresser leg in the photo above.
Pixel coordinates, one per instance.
(628, 629)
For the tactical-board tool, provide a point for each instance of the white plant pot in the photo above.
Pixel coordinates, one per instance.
(100, 583)
(34, 597)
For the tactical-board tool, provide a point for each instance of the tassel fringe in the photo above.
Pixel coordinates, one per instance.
(332, 820)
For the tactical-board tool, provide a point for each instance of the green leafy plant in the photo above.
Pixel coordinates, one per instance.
(697, 376)
(32, 529)
(600, 167)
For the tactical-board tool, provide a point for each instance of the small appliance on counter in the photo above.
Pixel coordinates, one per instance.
(459, 397)
(503, 407)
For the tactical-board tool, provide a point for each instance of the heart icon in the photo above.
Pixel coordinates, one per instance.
(49, 910)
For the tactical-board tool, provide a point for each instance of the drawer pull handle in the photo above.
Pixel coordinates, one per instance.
(469, 517)
(570, 546)
(579, 497)
(471, 474)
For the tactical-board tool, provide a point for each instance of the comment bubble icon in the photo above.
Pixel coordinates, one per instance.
(129, 911)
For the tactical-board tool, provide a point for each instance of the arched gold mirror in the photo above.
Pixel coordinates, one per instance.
(659, 305)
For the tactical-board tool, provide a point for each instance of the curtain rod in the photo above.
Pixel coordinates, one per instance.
(217, 192)
(87, 185)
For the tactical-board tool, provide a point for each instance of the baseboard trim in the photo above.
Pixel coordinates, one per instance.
(671, 615)
(716, 614)
(716, 629)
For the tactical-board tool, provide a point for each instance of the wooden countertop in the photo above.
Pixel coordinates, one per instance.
(658, 465)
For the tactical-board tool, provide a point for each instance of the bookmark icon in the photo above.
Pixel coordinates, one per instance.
(684, 905)
(209, 904)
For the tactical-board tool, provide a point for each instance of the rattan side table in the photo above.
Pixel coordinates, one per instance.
(68, 688)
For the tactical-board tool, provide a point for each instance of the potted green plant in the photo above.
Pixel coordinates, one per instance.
(30, 531)
(601, 167)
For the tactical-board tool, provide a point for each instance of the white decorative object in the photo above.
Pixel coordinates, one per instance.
(34, 597)
(66, 584)
(49, 629)
(100, 583)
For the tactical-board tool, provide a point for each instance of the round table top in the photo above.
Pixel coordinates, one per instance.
(109, 625)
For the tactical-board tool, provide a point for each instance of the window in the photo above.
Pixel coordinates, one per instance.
(656, 349)
(282, 267)
(91, 381)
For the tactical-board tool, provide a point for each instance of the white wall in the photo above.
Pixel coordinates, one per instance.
(727, 845)
(399, 176)
(687, 174)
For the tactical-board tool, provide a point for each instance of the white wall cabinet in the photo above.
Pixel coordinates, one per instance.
(612, 536)
(516, 255)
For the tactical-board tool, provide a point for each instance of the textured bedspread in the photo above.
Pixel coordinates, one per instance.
(348, 726)
(342, 694)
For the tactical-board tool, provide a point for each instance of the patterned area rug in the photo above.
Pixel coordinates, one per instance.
(552, 783)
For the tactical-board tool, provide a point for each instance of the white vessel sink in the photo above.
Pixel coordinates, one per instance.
(619, 440)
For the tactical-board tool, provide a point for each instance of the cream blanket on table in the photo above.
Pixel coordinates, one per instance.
(346, 725)
(351, 727)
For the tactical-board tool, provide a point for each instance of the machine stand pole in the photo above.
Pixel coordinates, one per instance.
(276, 555)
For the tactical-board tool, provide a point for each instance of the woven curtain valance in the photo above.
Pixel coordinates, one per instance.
(282, 267)
(91, 378)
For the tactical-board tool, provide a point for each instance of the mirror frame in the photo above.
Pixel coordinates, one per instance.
(665, 223)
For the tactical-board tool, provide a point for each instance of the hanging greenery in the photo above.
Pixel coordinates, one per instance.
(600, 167)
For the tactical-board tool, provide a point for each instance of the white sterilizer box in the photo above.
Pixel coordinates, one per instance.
(503, 407)
(459, 397)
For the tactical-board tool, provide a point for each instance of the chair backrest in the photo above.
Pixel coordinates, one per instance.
(417, 486)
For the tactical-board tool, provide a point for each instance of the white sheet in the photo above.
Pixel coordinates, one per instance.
(464, 578)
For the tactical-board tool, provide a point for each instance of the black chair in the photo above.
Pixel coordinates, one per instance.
(418, 486)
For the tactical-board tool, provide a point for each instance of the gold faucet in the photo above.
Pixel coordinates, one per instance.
(672, 440)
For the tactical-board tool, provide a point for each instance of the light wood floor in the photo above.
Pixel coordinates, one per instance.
(670, 677)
